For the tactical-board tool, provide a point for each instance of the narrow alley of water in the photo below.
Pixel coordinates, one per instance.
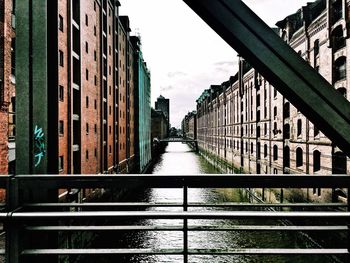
(179, 159)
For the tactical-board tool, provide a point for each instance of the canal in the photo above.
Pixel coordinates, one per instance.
(179, 159)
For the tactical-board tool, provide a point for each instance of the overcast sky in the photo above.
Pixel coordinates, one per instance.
(185, 56)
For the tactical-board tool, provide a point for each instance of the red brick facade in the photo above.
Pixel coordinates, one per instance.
(95, 88)
(7, 83)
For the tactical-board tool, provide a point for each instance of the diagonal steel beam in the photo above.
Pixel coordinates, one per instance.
(280, 65)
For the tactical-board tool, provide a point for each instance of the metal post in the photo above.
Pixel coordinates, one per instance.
(185, 227)
(37, 111)
(12, 243)
(348, 209)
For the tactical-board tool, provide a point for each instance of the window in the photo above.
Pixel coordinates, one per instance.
(338, 40)
(95, 31)
(286, 131)
(258, 100)
(342, 91)
(95, 80)
(13, 56)
(60, 163)
(61, 59)
(87, 155)
(94, 5)
(275, 152)
(95, 152)
(299, 157)
(258, 132)
(286, 110)
(275, 112)
(316, 48)
(61, 93)
(317, 160)
(86, 47)
(340, 69)
(86, 20)
(275, 131)
(60, 23)
(251, 148)
(274, 92)
(95, 104)
(95, 55)
(110, 129)
(110, 149)
(265, 150)
(61, 127)
(299, 127)
(316, 131)
(95, 128)
(87, 128)
(337, 9)
(87, 101)
(87, 74)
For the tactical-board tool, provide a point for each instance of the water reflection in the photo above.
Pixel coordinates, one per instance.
(179, 159)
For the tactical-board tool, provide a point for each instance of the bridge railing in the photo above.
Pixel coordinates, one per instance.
(44, 229)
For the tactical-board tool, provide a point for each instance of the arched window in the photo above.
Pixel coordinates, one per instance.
(340, 69)
(316, 47)
(299, 159)
(275, 112)
(337, 10)
(275, 152)
(299, 127)
(338, 40)
(286, 110)
(342, 91)
(317, 160)
(286, 157)
(286, 131)
(265, 150)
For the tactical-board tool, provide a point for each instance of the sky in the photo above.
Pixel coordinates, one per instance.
(185, 56)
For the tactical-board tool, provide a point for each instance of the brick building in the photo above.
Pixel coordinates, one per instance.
(247, 124)
(95, 91)
(189, 125)
(7, 86)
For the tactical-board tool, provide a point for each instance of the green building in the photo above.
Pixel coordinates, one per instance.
(142, 108)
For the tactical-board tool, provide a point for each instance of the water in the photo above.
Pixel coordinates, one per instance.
(179, 159)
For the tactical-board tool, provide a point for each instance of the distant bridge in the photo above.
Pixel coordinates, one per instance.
(192, 142)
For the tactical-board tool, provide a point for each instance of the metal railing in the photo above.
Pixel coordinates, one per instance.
(34, 219)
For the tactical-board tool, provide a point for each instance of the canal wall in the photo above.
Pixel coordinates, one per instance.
(290, 195)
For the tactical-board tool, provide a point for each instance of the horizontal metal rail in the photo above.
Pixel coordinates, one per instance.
(226, 204)
(149, 251)
(25, 218)
(179, 181)
(189, 228)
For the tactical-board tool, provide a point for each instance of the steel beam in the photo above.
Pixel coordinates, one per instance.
(36, 89)
(293, 77)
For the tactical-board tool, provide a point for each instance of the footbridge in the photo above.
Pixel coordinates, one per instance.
(191, 142)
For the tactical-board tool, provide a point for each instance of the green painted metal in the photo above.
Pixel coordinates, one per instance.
(35, 78)
(280, 65)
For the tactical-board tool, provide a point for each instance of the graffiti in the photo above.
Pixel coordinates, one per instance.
(39, 145)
